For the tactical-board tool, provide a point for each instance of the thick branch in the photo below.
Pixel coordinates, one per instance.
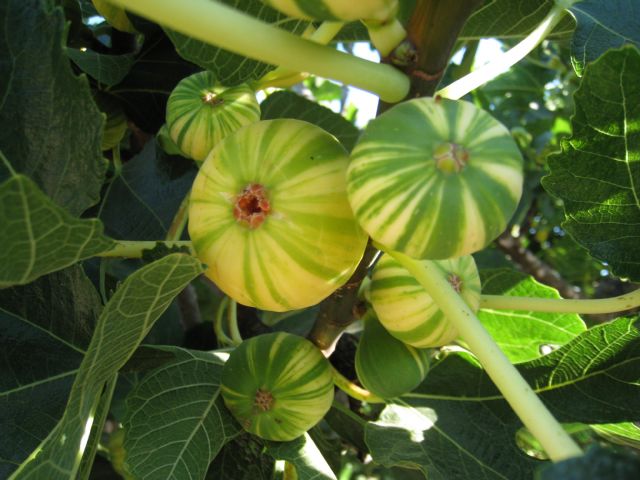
(339, 310)
(433, 29)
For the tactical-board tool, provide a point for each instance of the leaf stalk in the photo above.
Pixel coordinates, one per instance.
(226, 27)
(353, 390)
(502, 63)
(523, 400)
(620, 303)
(284, 77)
(134, 249)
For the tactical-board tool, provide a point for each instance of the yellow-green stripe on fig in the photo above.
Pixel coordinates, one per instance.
(386, 366)
(346, 10)
(277, 385)
(303, 243)
(200, 113)
(435, 178)
(407, 311)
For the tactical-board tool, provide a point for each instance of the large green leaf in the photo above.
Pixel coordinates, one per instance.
(229, 68)
(456, 425)
(38, 236)
(523, 335)
(124, 322)
(597, 175)
(140, 203)
(511, 19)
(601, 26)
(285, 104)
(179, 442)
(304, 455)
(45, 327)
(51, 129)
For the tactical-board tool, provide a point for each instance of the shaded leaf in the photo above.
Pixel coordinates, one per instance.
(38, 236)
(242, 459)
(141, 202)
(178, 442)
(64, 303)
(51, 128)
(106, 69)
(124, 322)
(285, 104)
(41, 355)
(144, 91)
(448, 443)
(229, 68)
(347, 424)
(602, 26)
(522, 334)
(597, 175)
(304, 455)
(456, 425)
(511, 19)
(596, 464)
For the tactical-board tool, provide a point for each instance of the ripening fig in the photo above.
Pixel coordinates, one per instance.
(386, 366)
(435, 178)
(277, 385)
(201, 112)
(407, 311)
(269, 216)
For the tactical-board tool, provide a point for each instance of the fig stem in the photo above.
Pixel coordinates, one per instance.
(134, 249)
(117, 162)
(232, 320)
(226, 27)
(218, 328)
(7, 164)
(561, 305)
(284, 77)
(506, 60)
(353, 390)
(523, 400)
(179, 220)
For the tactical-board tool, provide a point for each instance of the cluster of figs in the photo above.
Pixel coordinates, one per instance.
(281, 214)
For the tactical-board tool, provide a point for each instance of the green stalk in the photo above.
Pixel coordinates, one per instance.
(284, 77)
(523, 400)
(102, 277)
(134, 249)
(232, 319)
(353, 390)
(491, 70)
(179, 220)
(218, 327)
(561, 305)
(218, 24)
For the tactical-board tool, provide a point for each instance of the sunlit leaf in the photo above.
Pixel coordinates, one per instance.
(51, 129)
(38, 236)
(597, 175)
(179, 442)
(124, 322)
